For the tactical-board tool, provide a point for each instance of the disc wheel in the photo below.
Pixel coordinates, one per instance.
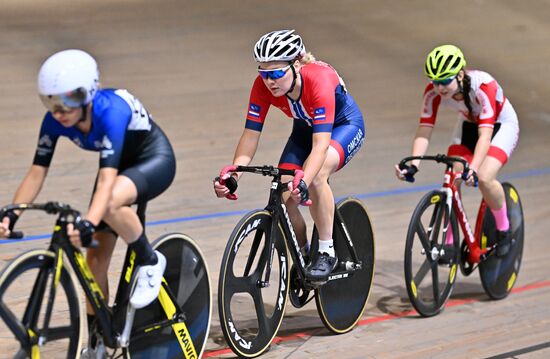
(187, 278)
(343, 299)
(498, 274)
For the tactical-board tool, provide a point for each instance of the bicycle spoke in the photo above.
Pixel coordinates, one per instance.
(263, 319)
(21, 354)
(13, 323)
(247, 284)
(424, 268)
(435, 283)
(59, 333)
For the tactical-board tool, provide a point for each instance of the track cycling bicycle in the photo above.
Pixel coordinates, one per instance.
(42, 311)
(256, 272)
(430, 280)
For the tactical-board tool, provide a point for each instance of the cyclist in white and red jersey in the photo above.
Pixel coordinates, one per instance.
(486, 133)
(328, 130)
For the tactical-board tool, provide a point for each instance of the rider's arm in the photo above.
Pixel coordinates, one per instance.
(246, 148)
(421, 142)
(31, 185)
(105, 182)
(317, 156)
(27, 191)
(428, 116)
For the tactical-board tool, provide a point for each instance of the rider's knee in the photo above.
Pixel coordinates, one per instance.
(319, 181)
(112, 207)
(485, 179)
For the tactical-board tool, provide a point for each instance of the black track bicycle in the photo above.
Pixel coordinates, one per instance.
(257, 277)
(42, 310)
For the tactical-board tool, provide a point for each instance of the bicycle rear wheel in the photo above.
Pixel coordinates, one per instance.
(341, 303)
(25, 292)
(251, 313)
(498, 274)
(429, 283)
(187, 279)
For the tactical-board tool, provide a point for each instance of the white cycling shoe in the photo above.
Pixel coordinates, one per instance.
(148, 283)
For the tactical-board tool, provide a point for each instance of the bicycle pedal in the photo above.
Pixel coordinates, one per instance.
(99, 352)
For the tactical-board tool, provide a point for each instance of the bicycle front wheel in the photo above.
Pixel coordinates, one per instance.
(187, 279)
(341, 302)
(430, 281)
(251, 310)
(40, 308)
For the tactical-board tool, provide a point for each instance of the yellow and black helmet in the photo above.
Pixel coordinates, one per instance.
(444, 62)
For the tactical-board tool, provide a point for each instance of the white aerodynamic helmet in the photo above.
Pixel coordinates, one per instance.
(281, 45)
(69, 78)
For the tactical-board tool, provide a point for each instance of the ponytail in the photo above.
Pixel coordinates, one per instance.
(465, 90)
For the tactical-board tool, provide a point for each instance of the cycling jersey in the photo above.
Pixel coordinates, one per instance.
(489, 108)
(126, 137)
(119, 124)
(323, 101)
(322, 106)
(487, 99)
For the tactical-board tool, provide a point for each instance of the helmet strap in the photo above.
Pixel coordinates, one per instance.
(294, 77)
(84, 113)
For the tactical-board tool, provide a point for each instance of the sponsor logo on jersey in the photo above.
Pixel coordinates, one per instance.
(107, 147)
(45, 141)
(44, 146)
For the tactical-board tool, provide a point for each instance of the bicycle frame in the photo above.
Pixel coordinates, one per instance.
(280, 216)
(115, 323)
(453, 199)
(476, 253)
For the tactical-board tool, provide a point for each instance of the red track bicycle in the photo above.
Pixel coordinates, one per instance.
(428, 277)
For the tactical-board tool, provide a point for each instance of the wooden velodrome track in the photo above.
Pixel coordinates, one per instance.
(190, 62)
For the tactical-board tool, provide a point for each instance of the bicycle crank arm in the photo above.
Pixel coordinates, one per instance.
(124, 338)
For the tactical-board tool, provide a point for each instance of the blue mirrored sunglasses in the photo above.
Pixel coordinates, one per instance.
(273, 74)
(444, 82)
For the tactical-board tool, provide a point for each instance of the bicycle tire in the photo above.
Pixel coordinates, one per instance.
(341, 303)
(26, 283)
(422, 249)
(188, 278)
(250, 332)
(499, 274)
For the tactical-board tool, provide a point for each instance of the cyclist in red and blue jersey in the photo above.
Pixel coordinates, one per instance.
(486, 133)
(136, 164)
(328, 130)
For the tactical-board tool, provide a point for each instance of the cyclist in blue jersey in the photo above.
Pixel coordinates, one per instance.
(136, 164)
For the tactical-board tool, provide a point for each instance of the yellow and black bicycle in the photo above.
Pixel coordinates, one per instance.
(42, 311)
